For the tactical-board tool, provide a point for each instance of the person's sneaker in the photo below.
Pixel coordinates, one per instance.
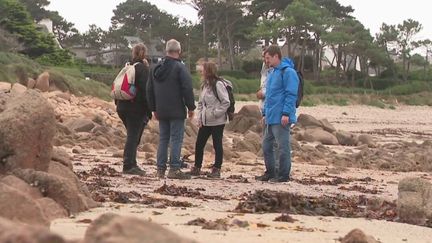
(214, 173)
(134, 171)
(279, 179)
(160, 173)
(177, 174)
(265, 177)
(195, 171)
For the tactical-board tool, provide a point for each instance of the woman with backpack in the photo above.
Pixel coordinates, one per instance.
(134, 113)
(212, 116)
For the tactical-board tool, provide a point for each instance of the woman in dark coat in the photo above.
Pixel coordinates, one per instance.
(135, 113)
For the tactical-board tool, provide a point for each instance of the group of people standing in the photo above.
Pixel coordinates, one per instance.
(165, 93)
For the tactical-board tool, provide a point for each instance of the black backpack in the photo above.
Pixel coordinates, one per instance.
(231, 108)
(300, 86)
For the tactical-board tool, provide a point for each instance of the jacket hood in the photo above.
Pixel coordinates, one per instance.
(286, 62)
(164, 68)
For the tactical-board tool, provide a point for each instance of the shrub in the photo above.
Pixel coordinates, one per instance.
(253, 66)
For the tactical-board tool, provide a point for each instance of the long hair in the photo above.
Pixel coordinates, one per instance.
(139, 52)
(210, 75)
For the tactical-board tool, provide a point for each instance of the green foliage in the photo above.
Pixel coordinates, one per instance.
(409, 88)
(253, 66)
(60, 57)
(238, 74)
(15, 19)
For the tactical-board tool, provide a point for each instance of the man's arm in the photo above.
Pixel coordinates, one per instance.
(186, 88)
(290, 81)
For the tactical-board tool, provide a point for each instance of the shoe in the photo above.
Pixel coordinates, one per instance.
(195, 171)
(279, 179)
(160, 173)
(265, 177)
(214, 173)
(134, 171)
(177, 174)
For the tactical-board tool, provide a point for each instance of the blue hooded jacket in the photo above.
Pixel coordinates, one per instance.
(281, 93)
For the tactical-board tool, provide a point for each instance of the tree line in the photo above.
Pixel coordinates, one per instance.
(228, 30)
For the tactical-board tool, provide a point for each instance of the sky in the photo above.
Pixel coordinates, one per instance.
(371, 13)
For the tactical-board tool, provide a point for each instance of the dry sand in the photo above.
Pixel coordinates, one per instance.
(403, 123)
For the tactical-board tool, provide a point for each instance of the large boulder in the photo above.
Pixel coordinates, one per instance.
(27, 127)
(117, 229)
(250, 111)
(319, 135)
(22, 233)
(346, 138)
(42, 82)
(17, 206)
(5, 87)
(414, 203)
(62, 190)
(305, 120)
(80, 124)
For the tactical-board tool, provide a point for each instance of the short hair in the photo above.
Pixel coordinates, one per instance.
(173, 46)
(273, 50)
(139, 52)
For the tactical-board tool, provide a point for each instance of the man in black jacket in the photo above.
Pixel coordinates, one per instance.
(170, 92)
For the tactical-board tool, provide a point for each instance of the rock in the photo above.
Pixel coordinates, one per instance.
(358, 236)
(149, 148)
(305, 120)
(327, 126)
(346, 138)
(80, 125)
(60, 189)
(19, 207)
(5, 87)
(60, 155)
(31, 83)
(367, 140)
(319, 135)
(118, 229)
(51, 209)
(21, 186)
(242, 124)
(250, 111)
(414, 203)
(27, 130)
(42, 82)
(18, 89)
(21, 233)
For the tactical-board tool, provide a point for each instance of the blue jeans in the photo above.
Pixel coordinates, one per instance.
(281, 135)
(170, 133)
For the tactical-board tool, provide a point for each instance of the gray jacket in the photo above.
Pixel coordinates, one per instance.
(211, 111)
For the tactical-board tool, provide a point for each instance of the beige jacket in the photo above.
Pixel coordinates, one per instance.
(211, 111)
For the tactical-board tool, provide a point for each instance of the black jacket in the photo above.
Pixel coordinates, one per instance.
(169, 90)
(139, 103)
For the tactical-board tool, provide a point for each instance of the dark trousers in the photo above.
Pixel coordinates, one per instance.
(203, 134)
(135, 124)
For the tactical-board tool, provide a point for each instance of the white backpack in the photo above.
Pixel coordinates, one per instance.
(123, 87)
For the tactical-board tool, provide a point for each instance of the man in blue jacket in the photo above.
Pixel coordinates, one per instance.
(279, 113)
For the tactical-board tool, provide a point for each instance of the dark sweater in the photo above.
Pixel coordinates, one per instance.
(169, 90)
(139, 103)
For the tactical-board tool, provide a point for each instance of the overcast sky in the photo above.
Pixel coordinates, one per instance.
(372, 13)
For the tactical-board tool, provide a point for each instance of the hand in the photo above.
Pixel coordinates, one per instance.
(260, 94)
(263, 121)
(191, 114)
(155, 115)
(145, 62)
(284, 120)
(199, 124)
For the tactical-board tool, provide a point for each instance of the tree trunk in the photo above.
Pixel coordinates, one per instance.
(218, 35)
